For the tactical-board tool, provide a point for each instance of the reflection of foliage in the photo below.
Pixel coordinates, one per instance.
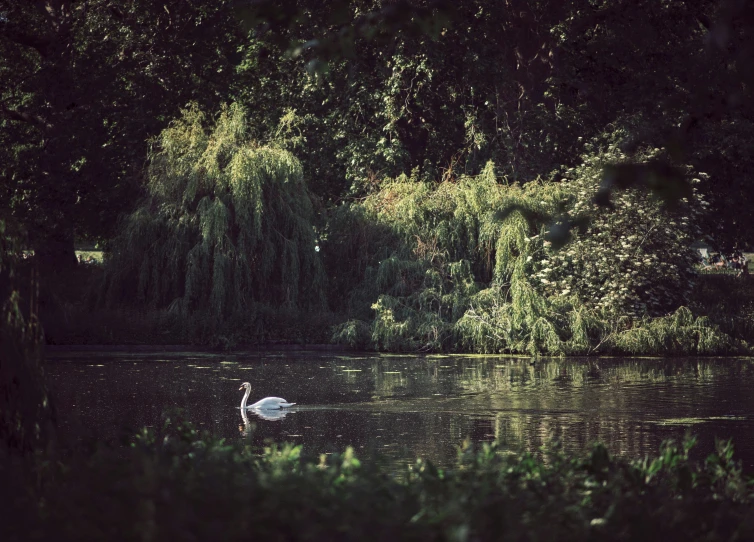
(177, 487)
(457, 273)
(227, 224)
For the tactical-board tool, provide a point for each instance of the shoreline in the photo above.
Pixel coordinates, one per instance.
(193, 348)
(55, 348)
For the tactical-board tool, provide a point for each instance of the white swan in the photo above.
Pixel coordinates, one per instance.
(268, 403)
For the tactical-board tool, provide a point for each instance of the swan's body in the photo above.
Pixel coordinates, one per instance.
(268, 403)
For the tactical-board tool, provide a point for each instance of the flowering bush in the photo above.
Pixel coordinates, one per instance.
(632, 259)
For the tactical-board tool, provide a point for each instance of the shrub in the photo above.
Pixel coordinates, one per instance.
(475, 264)
(183, 485)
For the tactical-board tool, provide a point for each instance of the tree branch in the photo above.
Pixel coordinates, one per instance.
(24, 117)
(37, 43)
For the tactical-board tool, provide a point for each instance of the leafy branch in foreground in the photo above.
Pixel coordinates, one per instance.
(182, 484)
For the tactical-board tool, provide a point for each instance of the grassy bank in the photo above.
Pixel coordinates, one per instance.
(179, 485)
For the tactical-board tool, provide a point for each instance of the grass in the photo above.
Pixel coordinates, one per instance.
(97, 256)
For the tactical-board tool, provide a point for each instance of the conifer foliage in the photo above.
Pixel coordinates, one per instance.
(226, 225)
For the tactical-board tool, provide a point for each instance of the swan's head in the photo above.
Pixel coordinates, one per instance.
(245, 386)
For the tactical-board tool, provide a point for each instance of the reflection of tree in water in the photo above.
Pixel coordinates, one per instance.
(573, 401)
(388, 382)
(617, 402)
(408, 407)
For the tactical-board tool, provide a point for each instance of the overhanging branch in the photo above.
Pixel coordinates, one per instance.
(24, 117)
(37, 43)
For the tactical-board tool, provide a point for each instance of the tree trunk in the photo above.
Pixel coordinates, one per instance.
(55, 253)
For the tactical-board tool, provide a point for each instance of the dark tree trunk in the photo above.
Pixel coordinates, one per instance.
(55, 253)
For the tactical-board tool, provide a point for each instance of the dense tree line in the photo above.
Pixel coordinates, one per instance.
(84, 85)
(657, 95)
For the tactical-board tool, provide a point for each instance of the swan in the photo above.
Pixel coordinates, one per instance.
(268, 403)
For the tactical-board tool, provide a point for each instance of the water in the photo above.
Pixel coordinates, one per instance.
(405, 407)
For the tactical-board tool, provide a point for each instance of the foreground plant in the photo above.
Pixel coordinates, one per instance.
(183, 485)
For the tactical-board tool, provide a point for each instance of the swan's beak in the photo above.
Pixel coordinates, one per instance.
(239, 389)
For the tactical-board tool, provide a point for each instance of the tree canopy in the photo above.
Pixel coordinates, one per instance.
(84, 84)
(623, 104)
(227, 224)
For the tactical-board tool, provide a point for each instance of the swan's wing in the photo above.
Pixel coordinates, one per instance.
(271, 402)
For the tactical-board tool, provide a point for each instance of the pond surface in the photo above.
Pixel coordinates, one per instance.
(405, 407)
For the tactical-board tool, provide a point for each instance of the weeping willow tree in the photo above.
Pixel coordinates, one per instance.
(461, 275)
(226, 226)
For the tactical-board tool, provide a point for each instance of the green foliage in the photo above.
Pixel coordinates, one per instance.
(442, 90)
(676, 334)
(26, 417)
(179, 483)
(469, 265)
(227, 225)
(355, 333)
(84, 85)
(728, 302)
(634, 258)
(362, 91)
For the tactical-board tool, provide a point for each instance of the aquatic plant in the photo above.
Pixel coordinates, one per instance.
(226, 225)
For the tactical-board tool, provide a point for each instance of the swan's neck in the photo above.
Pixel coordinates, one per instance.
(245, 398)
(245, 419)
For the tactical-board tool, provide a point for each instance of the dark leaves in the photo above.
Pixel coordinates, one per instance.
(662, 179)
(382, 25)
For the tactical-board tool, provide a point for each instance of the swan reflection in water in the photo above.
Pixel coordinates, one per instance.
(269, 415)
